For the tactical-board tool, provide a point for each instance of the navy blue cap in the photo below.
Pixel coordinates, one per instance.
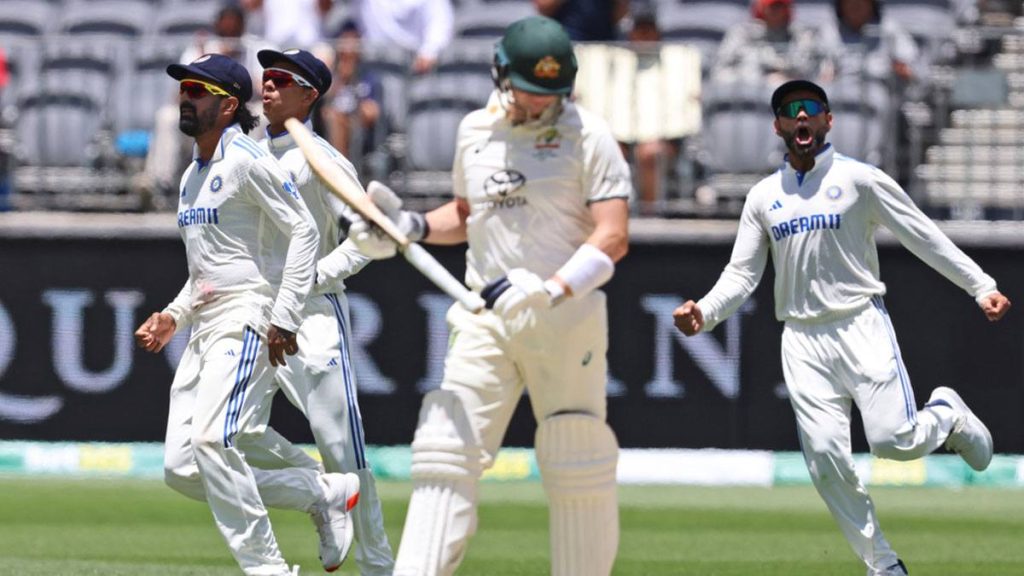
(219, 70)
(797, 86)
(310, 67)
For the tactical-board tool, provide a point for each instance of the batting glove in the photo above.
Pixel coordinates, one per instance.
(518, 290)
(370, 239)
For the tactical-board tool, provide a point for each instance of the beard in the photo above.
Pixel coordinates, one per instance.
(803, 142)
(192, 124)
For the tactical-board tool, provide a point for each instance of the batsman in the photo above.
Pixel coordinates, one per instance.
(542, 197)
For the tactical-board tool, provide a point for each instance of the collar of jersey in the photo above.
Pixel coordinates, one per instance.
(822, 160)
(284, 140)
(226, 137)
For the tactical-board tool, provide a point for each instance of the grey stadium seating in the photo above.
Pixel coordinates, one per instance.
(106, 18)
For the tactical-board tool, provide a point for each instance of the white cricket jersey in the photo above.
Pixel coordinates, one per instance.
(820, 228)
(325, 207)
(529, 189)
(231, 210)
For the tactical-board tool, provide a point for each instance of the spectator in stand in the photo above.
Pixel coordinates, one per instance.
(772, 47)
(586, 20)
(424, 27)
(169, 152)
(289, 23)
(231, 40)
(872, 47)
(651, 157)
(353, 105)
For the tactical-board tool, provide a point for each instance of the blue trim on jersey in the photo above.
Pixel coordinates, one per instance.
(355, 419)
(246, 148)
(250, 350)
(249, 147)
(908, 392)
(326, 146)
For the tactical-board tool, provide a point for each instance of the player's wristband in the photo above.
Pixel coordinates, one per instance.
(414, 225)
(587, 270)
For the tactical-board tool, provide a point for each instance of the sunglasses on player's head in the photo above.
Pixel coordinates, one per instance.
(196, 89)
(284, 78)
(792, 109)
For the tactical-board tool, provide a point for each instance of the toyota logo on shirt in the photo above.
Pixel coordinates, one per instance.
(503, 183)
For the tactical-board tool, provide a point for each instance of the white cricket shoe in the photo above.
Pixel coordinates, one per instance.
(332, 519)
(897, 569)
(970, 437)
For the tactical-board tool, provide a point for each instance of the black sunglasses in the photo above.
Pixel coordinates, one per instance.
(792, 109)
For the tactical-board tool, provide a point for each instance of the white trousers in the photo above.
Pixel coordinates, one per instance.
(829, 367)
(223, 382)
(320, 381)
(558, 355)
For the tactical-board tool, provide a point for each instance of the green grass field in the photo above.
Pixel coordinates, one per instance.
(141, 528)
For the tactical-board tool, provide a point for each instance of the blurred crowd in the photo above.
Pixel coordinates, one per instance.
(739, 53)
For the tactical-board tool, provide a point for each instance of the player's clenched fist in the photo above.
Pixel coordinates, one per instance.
(688, 318)
(279, 343)
(156, 332)
(994, 306)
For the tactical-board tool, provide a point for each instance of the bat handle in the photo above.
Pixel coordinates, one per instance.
(439, 275)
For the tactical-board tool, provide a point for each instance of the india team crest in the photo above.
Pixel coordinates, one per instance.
(547, 67)
(290, 188)
(216, 184)
(834, 192)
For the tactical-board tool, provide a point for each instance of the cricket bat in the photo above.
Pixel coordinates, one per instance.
(349, 192)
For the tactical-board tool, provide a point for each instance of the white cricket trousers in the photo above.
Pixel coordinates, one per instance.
(222, 383)
(558, 355)
(320, 381)
(831, 366)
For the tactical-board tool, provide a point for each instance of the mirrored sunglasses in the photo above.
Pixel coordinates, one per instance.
(196, 89)
(792, 109)
(284, 78)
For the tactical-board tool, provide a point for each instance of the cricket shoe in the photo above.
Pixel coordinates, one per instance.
(970, 437)
(331, 518)
(897, 569)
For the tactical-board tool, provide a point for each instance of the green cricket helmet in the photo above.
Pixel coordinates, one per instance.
(535, 55)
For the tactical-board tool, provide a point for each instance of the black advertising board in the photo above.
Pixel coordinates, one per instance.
(69, 369)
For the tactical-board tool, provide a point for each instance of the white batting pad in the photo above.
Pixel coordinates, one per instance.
(577, 455)
(445, 470)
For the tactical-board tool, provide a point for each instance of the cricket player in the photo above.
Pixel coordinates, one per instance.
(817, 215)
(541, 195)
(319, 380)
(234, 199)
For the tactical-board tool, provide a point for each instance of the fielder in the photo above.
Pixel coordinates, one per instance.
(234, 200)
(817, 215)
(541, 196)
(320, 380)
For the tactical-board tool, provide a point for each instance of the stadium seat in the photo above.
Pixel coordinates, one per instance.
(186, 20)
(106, 18)
(738, 132)
(145, 86)
(437, 104)
(930, 22)
(55, 129)
(391, 66)
(22, 68)
(701, 23)
(24, 18)
(489, 18)
(863, 122)
(80, 66)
